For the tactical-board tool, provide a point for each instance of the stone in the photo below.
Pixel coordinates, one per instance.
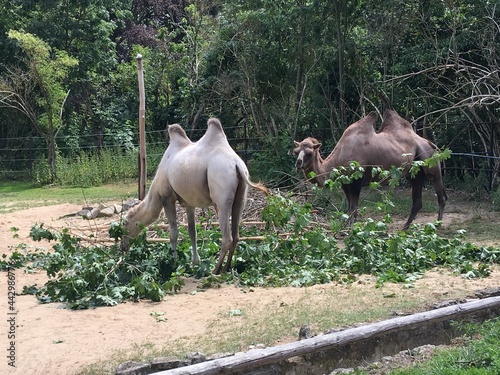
(83, 212)
(486, 293)
(107, 212)
(133, 368)
(93, 214)
(197, 357)
(130, 203)
(167, 363)
(220, 355)
(342, 371)
(305, 332)
(441, 304)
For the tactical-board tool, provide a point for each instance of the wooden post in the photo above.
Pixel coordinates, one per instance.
(142, 130)
(245, 142)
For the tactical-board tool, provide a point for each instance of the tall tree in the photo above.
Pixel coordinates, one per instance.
(41, 91)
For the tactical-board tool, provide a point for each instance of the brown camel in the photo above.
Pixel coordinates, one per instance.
(196, 174)
(395, 145)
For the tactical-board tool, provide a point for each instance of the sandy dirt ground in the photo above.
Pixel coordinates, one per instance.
(53, 340)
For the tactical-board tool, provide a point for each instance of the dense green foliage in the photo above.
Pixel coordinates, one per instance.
(294, 251)
(273, 70)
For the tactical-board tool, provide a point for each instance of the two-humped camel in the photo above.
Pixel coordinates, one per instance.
(395, 145)
(196, 174)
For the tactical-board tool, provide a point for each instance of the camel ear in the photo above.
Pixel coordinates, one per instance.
(297, 144)
(317, 146)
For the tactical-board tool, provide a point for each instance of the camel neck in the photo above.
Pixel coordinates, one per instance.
(317, 166)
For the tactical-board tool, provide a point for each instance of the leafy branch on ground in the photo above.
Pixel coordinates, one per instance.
(306, 254)
(293, 250)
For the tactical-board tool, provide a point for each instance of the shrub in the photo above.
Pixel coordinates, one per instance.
(41, 172)
(495, 199)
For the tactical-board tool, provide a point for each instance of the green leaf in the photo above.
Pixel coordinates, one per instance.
(235, 312)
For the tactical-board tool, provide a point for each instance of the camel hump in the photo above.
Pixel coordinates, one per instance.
(214, 123)
(392, 120)
(215, 127)
(366, 125)
(367, 122)
(370, 119)
(178, 135)
(215, 134)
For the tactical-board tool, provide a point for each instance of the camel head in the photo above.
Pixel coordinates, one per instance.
(131, 228)
(306, 152)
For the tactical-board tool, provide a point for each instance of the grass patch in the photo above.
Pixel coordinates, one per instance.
(479, 229)
(16, 196)
(481, 355)
(369, 201)
(277, 322)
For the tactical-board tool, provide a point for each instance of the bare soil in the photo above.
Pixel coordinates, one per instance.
(54, 340)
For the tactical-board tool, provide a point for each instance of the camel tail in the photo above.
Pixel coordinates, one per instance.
(259, 186)
(256, 185)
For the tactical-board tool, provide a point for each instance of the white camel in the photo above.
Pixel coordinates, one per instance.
(196, 174)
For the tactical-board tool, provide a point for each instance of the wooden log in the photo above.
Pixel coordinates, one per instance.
(205, 224)
(260, 357)
(210, 224)
(247, 238)
(158, 240)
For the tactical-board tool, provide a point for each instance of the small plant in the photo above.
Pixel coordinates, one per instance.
(41, 172)
(495, 199)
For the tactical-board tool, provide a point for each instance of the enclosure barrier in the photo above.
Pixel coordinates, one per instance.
(348, 348)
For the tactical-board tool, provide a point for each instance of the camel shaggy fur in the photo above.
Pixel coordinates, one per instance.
(196, 174)
(395, 145)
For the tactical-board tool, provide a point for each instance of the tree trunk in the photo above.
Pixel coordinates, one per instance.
(300, 67)
(51, 148)
(339, 9)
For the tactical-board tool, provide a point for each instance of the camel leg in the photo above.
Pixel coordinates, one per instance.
(417, 185)
(169, 208)
(236, 237)
(237, 212)
(352, 192)
(441, 196)
(437, 183)
(350, 220)
(192, 235)
(227, 239)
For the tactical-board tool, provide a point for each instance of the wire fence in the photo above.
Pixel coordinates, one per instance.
(17, 154)
(23, 151)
